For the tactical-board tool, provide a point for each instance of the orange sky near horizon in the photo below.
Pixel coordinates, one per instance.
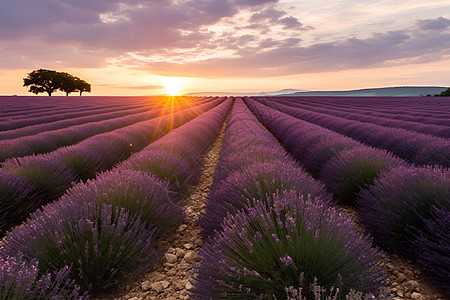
(139, 48)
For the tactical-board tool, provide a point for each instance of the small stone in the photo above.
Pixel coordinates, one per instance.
(417, 296)
(182, 227)
(188, 246)
(390, 265)
(160, 286)
(135, 298)
(190, 256)
(180, 284)
(400, 294)
(146, 285)
(411, 285)
(401, 278)
(180, 252)
(189, 286)
(170, 258)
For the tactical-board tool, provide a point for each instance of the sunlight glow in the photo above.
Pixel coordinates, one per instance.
(173, 85)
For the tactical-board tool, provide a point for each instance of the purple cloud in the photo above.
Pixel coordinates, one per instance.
(440, 23)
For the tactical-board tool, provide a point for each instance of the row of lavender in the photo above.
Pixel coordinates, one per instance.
(405, 208)
(358, 115)
(29, 182)
(57, 113)
(409, 106)
(48, 136)
(270, 228)
(417, 148)
(418, 114)
(107, 229)
(22, 105)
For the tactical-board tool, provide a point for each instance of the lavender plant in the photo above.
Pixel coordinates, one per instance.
(165, 165)
(355, 169)
(50, 176)
(19, 280)
(103, 245)
(262, 250)
(433, 247)
(257, 182)
(395, 216)
(324, 150)
(18, 198)
(140, 194)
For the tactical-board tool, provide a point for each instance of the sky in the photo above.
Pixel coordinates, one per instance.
(147, 47)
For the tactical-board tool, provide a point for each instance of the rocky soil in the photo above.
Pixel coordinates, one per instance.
(173, 275)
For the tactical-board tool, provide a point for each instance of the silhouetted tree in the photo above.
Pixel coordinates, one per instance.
(48, 81)
(445, 93)
(82, 86)
(43, 81)
(68, 83)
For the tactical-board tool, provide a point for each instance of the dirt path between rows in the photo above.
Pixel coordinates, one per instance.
(405, 279)
(171, 278)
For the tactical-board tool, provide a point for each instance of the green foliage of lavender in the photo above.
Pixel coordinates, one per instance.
(257, 182)
(139, 193)
(395, 216)
(351, 170)
(18, 198)
(50, 176)
(103, 245)
(433, 247)
(19, 280)
(262, 250)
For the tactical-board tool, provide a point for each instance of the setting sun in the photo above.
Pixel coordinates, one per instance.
(173, 85)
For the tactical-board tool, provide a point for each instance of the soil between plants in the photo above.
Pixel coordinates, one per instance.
(172, 276)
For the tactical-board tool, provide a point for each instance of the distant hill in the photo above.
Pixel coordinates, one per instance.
(406, 91)
(270, 93)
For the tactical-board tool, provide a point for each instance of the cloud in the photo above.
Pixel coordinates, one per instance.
(381, 49)
(440, 23)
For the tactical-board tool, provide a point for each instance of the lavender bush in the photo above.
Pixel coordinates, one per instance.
(395, 216)
(19, 280)
(103, 245)
(18, 198)
(324, 150)
(139, 193)
(257, 182)
(355, 169)
(50, 176)
(264, 250)
(433, 247)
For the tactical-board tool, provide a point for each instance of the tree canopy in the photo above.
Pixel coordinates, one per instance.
(49, 81)
(445, 93)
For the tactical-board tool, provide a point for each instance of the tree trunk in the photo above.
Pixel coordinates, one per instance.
(81, 92)
(49, 93)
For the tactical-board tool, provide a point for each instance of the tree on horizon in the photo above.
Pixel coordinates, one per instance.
(48, 81)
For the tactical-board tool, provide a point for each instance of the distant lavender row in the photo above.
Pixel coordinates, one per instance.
(49, 175)
(368, 110)
(107, 228)
(37, 128)
(437, 130)
(35, 111)
(276, 227)
(6, 124)
(414, 147)
(395, 200)
(412, 106)
(17, 105)
(50, 140)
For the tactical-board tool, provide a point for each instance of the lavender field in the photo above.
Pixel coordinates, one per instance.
(225, 198)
